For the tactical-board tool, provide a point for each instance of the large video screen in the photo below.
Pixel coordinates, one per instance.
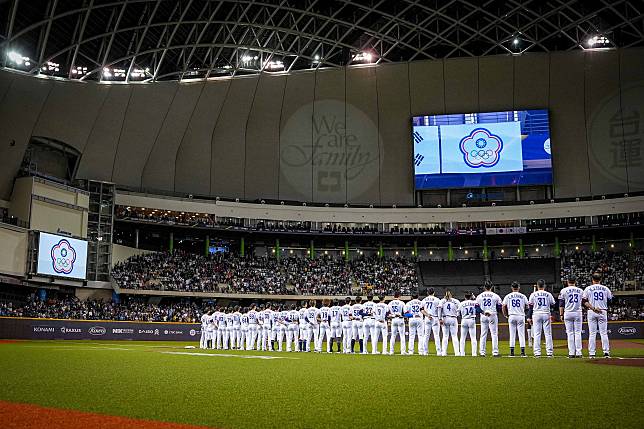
(62, 256)
(490, 149)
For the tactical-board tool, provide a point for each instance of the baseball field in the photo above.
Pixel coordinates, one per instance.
(165, 385)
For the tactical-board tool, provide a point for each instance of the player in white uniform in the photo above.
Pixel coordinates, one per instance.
(229, 334)
(570, 302)
(215, 332)
(431, 324)
(253, 328)
(313, 333)
(357, 332)
(292, 329)
(529, 325)
(541, 302)
(273, 335)
(345, 312)
(490, 305)
(221, 328)
(244, 329)
(304, 326)
(236, 340)
(379, 329)
(203, 342)
(413, 308)
(267, 316)
(324, 317)
(396, 309)
(468, 310)
(210, 331)
(514, 306)
(282, 322)
(368, 322)
(448, 311)
(336, 324)
(596, 298)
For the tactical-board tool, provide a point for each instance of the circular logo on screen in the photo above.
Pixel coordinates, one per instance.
(337, 150)
(63, 257)
(546, 146)
(481, 148)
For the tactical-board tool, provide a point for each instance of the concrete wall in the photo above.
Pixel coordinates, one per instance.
(287, 136)
(14, 250)
(121, 253)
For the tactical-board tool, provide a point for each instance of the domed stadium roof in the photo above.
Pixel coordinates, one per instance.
(149, 40)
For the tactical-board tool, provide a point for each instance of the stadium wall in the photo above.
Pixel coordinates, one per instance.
(121, 253)
(57, 329)
(14, 249)
(286, 137)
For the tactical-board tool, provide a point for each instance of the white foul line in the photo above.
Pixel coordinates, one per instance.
(227, 355)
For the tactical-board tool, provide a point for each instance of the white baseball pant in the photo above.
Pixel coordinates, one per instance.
(468, 326)
(597, 322)
(415, 330)
(281, 333)
(517, 325)
(450, 328)
(489, 324)
(346, 336)
(379, 329)
(292, 332)
(431, 327)
(251, 336)
(572, 320)
(367, 327)
(324, 333)
(398, 329)
(541, 324)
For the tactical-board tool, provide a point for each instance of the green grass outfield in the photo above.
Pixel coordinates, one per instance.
(141, 379)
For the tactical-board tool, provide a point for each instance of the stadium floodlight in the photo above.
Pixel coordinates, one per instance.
(363, 57)
(18, 59)
(515, 41)
(275, 65)
(612, 246)
(598, 42)
(431, 252)
(502, 250)
(466, 251)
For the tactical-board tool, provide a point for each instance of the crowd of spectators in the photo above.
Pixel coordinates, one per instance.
(625, 310)
(620, 270)
(227, 273)
(131, 309)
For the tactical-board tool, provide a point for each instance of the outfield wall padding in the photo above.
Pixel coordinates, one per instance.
(58, 329)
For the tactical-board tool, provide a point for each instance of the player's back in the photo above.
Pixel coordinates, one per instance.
(431, 304)
(516, 303)
(488, 301)
(572, 298)
(356, 311)
(336, 313)
(368, 308)
(396, 307)
(346, 312)
(541, 301)
(449, 307)
(325, 314)
(467, 309)
(598, 296)
(413, 307)
(380, 311)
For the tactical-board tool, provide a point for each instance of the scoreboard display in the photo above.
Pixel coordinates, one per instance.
(489, 149)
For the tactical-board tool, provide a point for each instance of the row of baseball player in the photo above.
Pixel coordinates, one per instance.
(265, 328)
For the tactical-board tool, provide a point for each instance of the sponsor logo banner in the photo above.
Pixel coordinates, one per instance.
(74, 329)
